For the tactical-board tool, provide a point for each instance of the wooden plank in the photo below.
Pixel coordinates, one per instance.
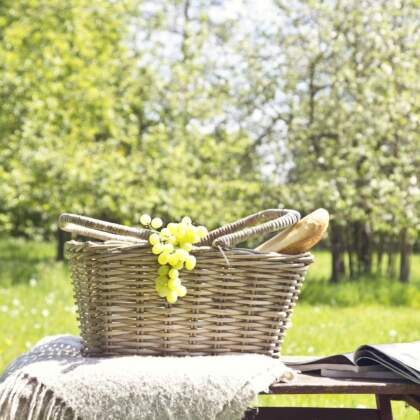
(313, 384)
(383, 403)
(311, 413)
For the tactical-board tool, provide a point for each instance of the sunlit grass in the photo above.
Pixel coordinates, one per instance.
(31, 310)
(321, 269)
(36, 300)
(371, 289)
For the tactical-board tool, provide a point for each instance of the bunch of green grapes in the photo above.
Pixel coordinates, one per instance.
(173, 244)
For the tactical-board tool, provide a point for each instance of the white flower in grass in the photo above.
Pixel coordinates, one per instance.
(4, 308)
(33, 282)
(49, 300)
(28, 344)
(310, 349)
(37, 326)
(34, 311)
(15, 302)
(392, 333)
(45, 312)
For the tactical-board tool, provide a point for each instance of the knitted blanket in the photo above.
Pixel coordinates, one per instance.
(53, 381)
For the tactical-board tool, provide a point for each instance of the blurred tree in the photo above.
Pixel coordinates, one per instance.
(194, 107)
(96, 120)
(351, 108)
(64, 108)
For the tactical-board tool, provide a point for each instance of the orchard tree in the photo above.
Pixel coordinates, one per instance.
(96, 119)
(351, 110)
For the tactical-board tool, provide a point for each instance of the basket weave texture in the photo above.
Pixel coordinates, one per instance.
(238, 301)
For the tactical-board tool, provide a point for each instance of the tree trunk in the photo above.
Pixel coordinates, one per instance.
(405, 251)
(349, 243)
(380, 255)
(61, 239)
(391, 269)
(365, 255)
(357, 246)
(337, 269)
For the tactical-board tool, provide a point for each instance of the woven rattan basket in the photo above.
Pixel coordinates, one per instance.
(238, 301)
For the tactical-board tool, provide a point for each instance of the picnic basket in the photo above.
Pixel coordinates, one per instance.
(239, 300)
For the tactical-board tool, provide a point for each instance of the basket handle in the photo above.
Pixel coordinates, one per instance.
(262, 222)
(98, 229)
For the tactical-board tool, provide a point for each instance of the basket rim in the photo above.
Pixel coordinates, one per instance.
(125, 246)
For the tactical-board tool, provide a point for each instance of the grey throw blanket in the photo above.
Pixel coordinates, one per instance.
(53, 381)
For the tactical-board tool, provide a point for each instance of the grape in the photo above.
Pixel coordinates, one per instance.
(181, 290)
(173, 228)
(181, 255)
(174, 283)
(162, 281)
(171, 296)
(163, 271)
(189, 234)
(163, 292)
(164, 233)
(168, 248)
(163, 259)
(173, 259)
(172, 245)
(145, 219)
(181, 232)
(179, 265)
(158, 248)
(156, 223)
(190, 262)
(187, 246)
(154, 239)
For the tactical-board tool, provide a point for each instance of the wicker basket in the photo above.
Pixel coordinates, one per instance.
(238, 301)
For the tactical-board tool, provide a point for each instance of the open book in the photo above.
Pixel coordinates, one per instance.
(379, 361)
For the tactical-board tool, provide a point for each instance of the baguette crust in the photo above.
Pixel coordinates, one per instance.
(300, 237)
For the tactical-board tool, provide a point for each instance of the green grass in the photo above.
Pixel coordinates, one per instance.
(371, 290)
(321, 269)
(36, 300)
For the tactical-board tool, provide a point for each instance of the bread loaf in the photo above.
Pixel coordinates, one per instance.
(300, 237)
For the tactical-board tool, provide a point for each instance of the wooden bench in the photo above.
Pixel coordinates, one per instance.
(384, 391)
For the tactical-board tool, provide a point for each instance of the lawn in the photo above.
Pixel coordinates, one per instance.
(36, 300)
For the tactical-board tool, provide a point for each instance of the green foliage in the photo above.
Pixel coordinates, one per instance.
(63, 106)
(354, 131)
(89, 126)
(349, 79)
(125, 107)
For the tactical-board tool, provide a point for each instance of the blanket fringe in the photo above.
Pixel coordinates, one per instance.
(23, 397)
